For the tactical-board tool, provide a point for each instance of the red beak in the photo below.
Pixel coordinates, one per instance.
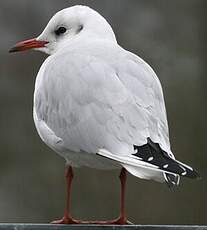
(28, 44)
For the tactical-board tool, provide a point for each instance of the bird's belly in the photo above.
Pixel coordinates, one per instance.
(79, 159)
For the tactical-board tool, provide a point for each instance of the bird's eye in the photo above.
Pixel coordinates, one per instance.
(60, 30)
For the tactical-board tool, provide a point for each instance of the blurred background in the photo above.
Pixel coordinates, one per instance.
(171, 37)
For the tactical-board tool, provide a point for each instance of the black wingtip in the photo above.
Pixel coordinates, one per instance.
(189, 172)
(195, 175)
(153, 154)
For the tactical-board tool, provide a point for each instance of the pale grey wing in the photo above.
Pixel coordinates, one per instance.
(140, 79)
(87, 105)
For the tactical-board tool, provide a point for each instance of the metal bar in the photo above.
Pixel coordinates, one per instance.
(98, 227)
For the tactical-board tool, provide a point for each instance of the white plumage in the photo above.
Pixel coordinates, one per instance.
(98, 105)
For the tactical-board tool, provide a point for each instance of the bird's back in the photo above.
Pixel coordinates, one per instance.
(97, 94)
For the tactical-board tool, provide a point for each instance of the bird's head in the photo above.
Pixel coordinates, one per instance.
(66, 27)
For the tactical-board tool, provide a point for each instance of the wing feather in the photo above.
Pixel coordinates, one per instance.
(101, 97)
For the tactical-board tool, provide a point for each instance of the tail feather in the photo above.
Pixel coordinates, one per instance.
(150, 162)
(171, 180)
(135, 167)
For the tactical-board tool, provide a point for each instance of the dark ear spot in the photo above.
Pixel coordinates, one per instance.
(79, 28)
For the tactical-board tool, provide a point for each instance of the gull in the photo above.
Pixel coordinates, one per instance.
(99, 105)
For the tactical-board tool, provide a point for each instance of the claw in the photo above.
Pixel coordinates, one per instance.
(66, 220)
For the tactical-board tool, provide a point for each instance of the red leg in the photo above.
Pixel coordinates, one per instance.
(121, 220)
(123, 177)
(67, 219)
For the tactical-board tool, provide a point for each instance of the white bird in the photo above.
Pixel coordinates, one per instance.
(99, 105)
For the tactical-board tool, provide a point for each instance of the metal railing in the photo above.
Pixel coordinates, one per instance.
(98, 227)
